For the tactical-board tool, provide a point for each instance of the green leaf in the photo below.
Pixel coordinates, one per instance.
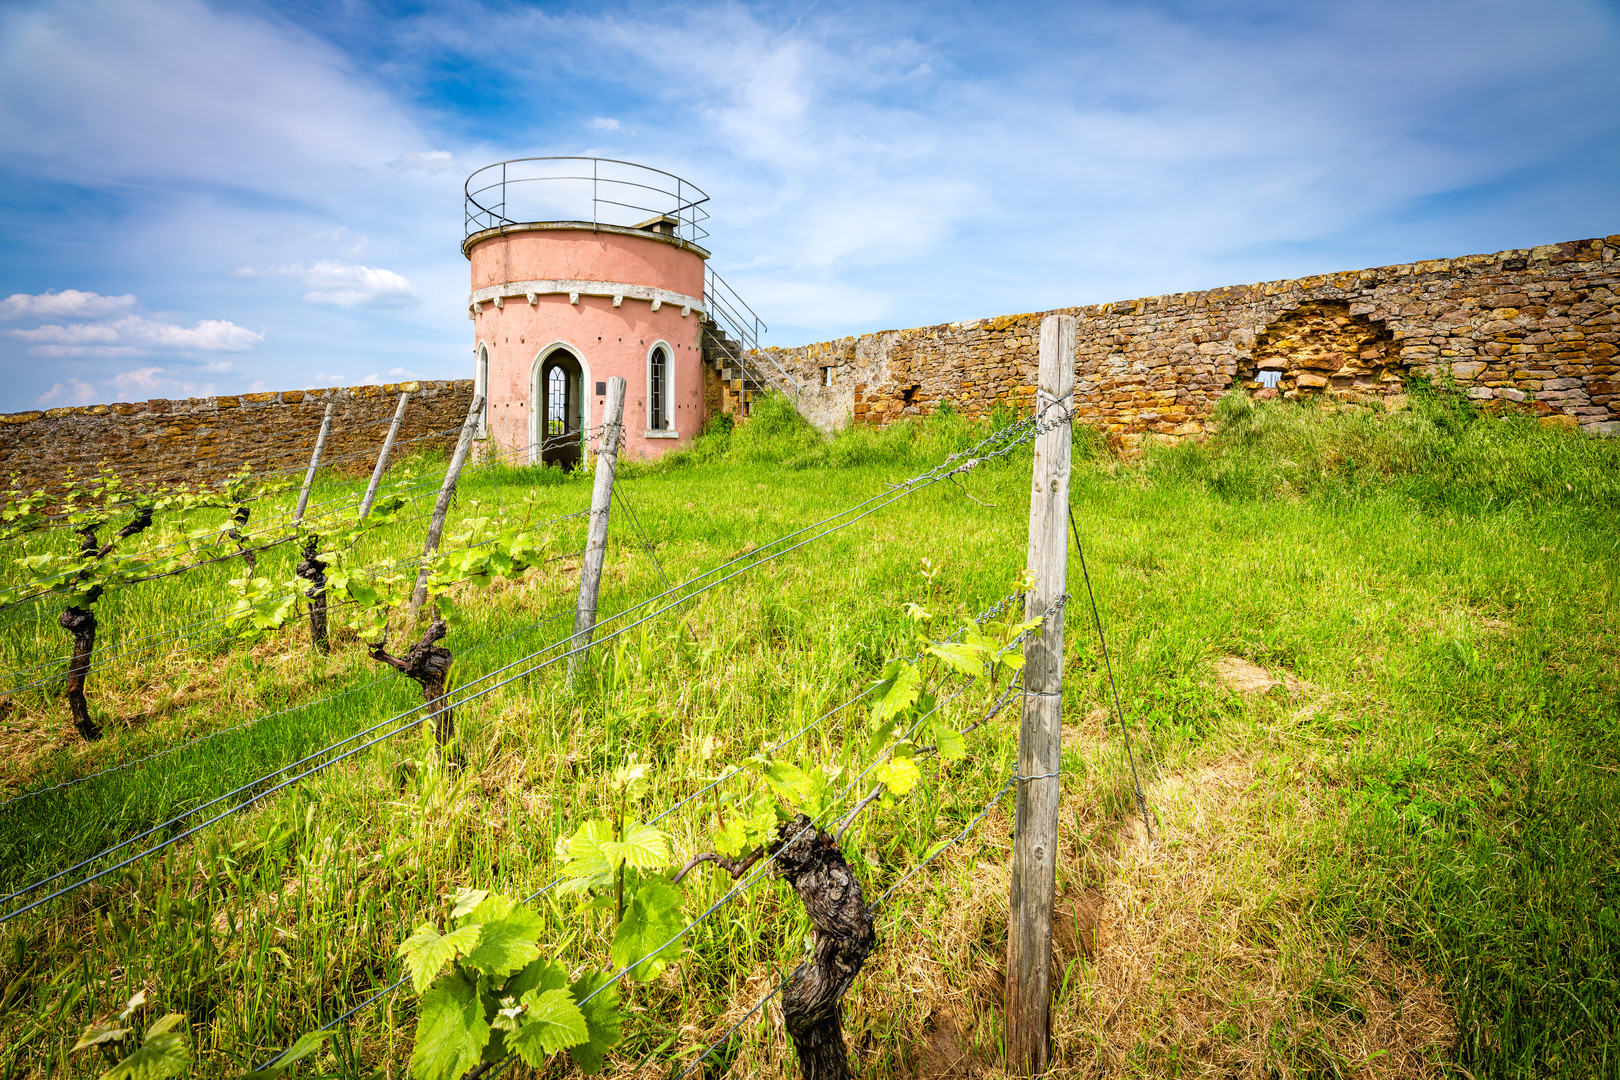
(899, 775)
(551, 1022)
(306, 1045)
(901, 684)
(651, 921)
(584, 864)
(506, 944)
(108, 1031)
(730, 841)
(791, 783)
(450, 1030)
(425, 952)
(643, 847)
(540, 974)
(602, 1020)
(463, 901)
(952, 746)
(959, 656)
(162, 1054)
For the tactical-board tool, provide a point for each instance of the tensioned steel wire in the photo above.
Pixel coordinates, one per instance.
(999, 443)
(278, 470)
(991, 612)
(813, 823)
(411, 491)
(210, 616)
(782, 984)
(182, 639)
(254, 721)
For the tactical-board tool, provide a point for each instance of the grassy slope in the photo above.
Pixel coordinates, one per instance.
(1395, 857)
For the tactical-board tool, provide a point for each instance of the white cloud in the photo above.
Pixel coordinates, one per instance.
(345, 284)
(428, 161)
(73, 392)
(604, 123)
(134, 335)
(156, 382)
(67, 304)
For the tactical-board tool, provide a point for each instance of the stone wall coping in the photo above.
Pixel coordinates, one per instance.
(238, 401)
(1595, 249)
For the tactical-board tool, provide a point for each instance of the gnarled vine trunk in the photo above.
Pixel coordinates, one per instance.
(81, 623)
(812, 1004)
(313, 570)
(429, 664)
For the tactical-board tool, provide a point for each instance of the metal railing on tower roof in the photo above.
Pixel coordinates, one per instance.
(601, 191)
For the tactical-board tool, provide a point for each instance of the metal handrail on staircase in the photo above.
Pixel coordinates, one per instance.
(739, 322)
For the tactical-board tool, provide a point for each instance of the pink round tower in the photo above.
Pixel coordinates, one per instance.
(582, 269)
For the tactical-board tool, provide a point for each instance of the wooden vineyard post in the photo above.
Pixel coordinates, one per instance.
(447, 490)
(590, 571)
(1034, 864)
(314, 463)
(382, 457)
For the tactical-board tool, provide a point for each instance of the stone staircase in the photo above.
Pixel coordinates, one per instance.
(731, 333)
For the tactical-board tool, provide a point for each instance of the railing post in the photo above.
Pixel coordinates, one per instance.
(440, 508)
(590, 571)
(314, 463)
(382, 458)
(1040, 740)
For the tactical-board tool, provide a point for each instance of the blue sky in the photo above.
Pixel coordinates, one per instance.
(202, 198)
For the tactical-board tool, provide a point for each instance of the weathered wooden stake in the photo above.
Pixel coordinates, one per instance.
(382, 457)
(447, 490)
(590, 571)
(314, 463)
(1034, 865)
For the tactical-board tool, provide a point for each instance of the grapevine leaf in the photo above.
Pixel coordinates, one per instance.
(916, 613)
(506, 944)
(901, 684)
(959, 656)
(952, 746)
(540, 974)
(450, 1031)
(551, 1022)
(162, 1054)
(425, 952)
(108, 1031)
(791, 783)
(602, 1019)
(899, 775)
(491, 908)
(643, 847)
(584, 863)
(651, 921)
(465, 900)
(730, 841)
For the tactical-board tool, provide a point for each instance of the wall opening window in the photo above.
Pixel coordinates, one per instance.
(658, 390)
(826, 376)
(1270, 379)
(560, 410)
(909, 395)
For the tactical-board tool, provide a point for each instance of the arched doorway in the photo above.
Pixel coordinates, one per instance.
(560, 401)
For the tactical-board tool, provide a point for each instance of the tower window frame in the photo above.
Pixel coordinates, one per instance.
(660, 401)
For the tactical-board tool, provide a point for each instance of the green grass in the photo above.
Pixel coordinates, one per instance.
(1428, 794)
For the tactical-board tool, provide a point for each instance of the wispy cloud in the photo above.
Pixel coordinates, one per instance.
(343, 284)
(67, 304)
(604, 123)
(72, 392)
(136, 335)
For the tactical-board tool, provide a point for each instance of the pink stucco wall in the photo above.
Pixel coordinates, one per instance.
(607, 341)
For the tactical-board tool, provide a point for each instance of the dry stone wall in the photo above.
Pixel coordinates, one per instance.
(1539, 327)
(201, 440)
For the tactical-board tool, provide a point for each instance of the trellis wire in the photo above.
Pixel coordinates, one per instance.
(166, 751)
(1119, 712)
